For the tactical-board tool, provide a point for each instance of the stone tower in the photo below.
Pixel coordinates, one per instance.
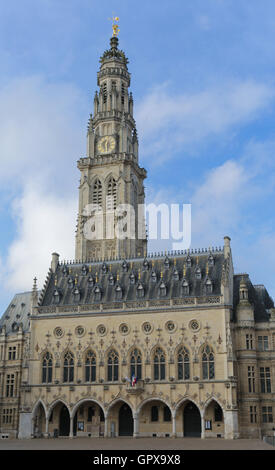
(111, 185)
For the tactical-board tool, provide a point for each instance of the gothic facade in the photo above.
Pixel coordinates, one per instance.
(123, 342)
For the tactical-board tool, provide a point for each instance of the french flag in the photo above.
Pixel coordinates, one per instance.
(134, 380)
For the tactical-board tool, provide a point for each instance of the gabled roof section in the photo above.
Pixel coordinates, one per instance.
(257, 296)
(17, 314)
(63, 286)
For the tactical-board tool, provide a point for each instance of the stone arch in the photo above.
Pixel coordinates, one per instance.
(85, 400)
(186, 399)
(39, 401)
(55, 402)
(117, 400)
(155, 417)
(208, 401)
(214, 418)
(156, 398)
(39, 419)
(120, 415)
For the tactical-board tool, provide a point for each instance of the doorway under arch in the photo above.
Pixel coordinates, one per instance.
(64, 421)
(191, 420)
(125, 421)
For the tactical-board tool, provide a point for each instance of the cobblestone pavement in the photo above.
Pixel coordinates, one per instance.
(135, 444)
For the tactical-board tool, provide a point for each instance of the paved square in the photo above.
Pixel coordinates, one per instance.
(134, 444)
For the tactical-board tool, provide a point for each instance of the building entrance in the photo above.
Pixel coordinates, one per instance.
(191, 421)
(126, 423)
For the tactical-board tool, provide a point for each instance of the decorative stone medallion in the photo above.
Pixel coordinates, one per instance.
(58, 332)
(194, 325)
(80, 331)
(124, 329)
(101, 330)
(170, 326)
(147, 328)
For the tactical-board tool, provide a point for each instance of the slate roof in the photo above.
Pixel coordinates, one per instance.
(75, 283)
(257, 296)
(17, 313)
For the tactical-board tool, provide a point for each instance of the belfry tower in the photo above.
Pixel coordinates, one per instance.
(110, 173)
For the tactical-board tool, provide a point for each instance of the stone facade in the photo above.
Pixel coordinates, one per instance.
(121, 342)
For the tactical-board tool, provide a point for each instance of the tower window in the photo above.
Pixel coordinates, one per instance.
(97, 193)
(111, 195)
(122, 93)
(104, 92)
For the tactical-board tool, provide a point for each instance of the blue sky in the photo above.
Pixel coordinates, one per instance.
(204, 101)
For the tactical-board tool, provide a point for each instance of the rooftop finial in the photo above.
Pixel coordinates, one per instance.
(115, 20)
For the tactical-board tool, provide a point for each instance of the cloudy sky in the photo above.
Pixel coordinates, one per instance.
(204, 93)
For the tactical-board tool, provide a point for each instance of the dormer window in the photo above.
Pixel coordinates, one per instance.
(125, 266)
(162, 289)
(198, 273)
(84, 270)
(118, 291)
(209, 286)
(90, 281)
(145, 265)
(211, 260)
(70, 282)
(153, 276)
(76, 294)
(140, 290)
(175, 275)
(188, 262)
(56, 296)
(185, 287)
(111, 280)
(97, 293)
(166, 263)
(132, 278)
(65, 271)
(104, 268)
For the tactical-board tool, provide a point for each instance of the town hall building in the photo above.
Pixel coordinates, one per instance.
(122, 342)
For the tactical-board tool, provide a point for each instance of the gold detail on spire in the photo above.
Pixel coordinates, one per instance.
(76, 279)
(115, 28)
(206, 269)
(55, 281)
(90, 268)
(139, 274)
(161, 274)
(117, 276)
(96, 279)
(184, 270)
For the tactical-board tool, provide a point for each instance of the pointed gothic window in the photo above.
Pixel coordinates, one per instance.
(68, 367)
(112, 367)
(90, 367)
(159, 364)
(111, 200)
(97, 193)
(183, 364)
(135, 369)
(47, 368)
(104, 92)
(208, 363)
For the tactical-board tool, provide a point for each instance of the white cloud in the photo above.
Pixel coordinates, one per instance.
(45, 224)
(168, 122)
(42, 135)
(40, 129)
